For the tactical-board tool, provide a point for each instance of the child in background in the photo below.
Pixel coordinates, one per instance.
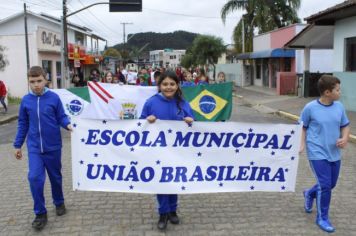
(188, 80)
(156, 76)
(202, 79)
(167, 104)
(325, 130)
(221, 77)
(108, 78)
(41, 114)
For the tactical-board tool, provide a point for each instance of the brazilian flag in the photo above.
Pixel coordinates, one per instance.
(210, 102)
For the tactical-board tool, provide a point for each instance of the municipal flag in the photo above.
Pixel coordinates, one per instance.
(105, 101)
(210, 102)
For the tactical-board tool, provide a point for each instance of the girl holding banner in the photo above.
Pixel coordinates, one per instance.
(167, 104)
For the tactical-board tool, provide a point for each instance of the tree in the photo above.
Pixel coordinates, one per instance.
(187, 60)
(207, 49)
(112, 52)
(261, 16)
(3, 61)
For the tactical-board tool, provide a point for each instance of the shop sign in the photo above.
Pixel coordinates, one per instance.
(48, 40)
(76, 63)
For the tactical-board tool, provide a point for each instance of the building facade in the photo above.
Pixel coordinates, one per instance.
(167, 58)
(44, 47)
(271, 64)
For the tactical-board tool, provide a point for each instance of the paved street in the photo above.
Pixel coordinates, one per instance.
(99, 213)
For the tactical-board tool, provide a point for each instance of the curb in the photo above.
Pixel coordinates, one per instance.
(8, 119)
(352, 138)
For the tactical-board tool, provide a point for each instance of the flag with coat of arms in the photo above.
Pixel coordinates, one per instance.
(105, 101)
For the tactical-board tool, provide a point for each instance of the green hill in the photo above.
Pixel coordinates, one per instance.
(156, 41)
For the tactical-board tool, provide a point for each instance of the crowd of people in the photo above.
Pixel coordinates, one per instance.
(146, 76)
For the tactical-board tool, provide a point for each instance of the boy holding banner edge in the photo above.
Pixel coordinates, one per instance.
(325, 130)
(167, 104)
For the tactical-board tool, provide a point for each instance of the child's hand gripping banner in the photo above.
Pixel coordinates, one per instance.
(173, 157)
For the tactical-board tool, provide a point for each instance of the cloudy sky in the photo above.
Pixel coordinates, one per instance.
(198, 16)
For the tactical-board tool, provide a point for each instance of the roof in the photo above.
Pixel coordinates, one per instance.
(330, 15)
(271, 53)
(313, 36)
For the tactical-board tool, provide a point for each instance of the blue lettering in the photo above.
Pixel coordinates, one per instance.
(105, 137)
(235, 143)
(279, 175)
(90, 170)
(181, 174)
(167, 174)
(161, 139)
(134, 140)
(243, 173)
(285, 142)
(115, 140)
(92, 136)
(108, 171)
(272, 142)
(180, 139)
(145, 171)
(211, 173)
(197, 174)
(196, 137)
(217, 140)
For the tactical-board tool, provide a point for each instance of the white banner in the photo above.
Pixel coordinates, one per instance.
(172, 157)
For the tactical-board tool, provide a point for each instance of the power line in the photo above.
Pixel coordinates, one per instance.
(89, 23)
(187, 15)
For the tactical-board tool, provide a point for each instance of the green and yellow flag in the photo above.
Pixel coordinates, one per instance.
(210, 102)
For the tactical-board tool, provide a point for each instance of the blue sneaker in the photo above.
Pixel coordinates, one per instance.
(308, 202)
(325, 225)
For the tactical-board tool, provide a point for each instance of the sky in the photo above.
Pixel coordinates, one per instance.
(197, 16)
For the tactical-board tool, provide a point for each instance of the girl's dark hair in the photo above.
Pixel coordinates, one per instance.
(178, 95)
(327, 82)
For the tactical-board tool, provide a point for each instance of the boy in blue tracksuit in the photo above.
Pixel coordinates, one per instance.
(325, 130)
(40, 116)
(168, 104)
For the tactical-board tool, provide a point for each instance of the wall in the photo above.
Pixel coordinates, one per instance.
(232, 72)
(282, 36)
(321, 60)
(15, 74)
(343, 29)
(348, 85)
(262, 42)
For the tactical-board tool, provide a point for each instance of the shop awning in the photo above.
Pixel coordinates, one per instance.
(313, 36)
(271, 53)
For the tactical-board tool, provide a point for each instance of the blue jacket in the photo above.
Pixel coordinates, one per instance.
(40, 118)
(166, 109)
(188, 84)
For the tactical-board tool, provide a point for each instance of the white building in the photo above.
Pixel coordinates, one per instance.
(167, 58)
(44, 43)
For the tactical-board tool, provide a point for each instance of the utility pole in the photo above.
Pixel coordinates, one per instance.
(124, 25)
(64, 43)
(26, 41)
(124, 45)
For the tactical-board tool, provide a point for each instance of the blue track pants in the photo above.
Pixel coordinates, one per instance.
(326, 174)
(167, 203)
(38, 164)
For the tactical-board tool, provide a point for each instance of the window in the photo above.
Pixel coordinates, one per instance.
(351, 54)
